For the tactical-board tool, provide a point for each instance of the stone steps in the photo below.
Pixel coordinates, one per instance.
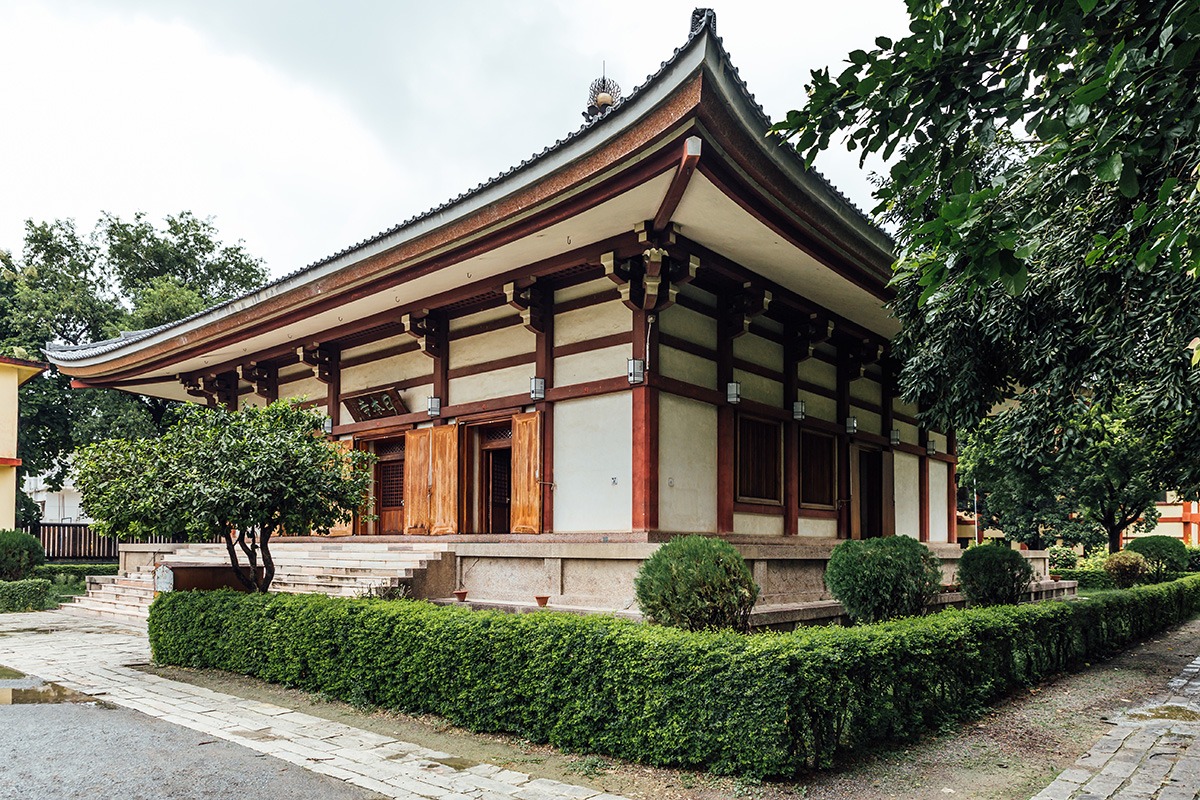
(349, 569)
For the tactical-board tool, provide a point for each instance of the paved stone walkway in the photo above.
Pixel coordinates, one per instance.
(93, 657)
(1152, 752)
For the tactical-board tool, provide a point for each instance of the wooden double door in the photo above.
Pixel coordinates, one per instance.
(464, 479)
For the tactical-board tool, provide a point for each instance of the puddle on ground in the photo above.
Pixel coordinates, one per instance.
(1177, 713)
(456, 763)
(18, 689)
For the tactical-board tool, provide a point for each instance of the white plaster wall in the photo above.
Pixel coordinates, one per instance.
(866, 390)
(683, 366)
(868, 421)
(8, 424)
(907, 471)
(691, 325)
(386, 371)
(376, 346)
(759, 389)
(939, 499)
(818, 372)
(584, 290)
(826, 528)
(482, 347)
(907, 409)
(758, 350)
(757, 524)
(487, 385)
(592, 322)
(307, 389)
(1166, 529)
(908, 433)
(593, 445)
(819, 407)
(608, 362)
(416, 398)
(503, 312)
(687, 465)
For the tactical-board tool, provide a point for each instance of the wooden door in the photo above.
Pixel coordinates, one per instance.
(499, 489)
(418, 480)
(389, 488)
(444, 503)
(527, 473)
(870, 493)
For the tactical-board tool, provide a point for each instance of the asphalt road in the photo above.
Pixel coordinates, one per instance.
(73, 750)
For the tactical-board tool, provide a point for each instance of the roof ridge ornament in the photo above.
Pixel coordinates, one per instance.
(603, 94)
(702, 17)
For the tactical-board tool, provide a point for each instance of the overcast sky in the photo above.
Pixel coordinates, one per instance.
(303, 127)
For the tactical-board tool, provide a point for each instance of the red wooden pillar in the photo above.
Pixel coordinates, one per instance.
(791, 439)
(725, 419)
(544, 365)
(923, 485)
(645, 425)
(843, 444)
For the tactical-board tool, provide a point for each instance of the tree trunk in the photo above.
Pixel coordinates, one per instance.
(248, 582)
(1114, 538)
(268, 562)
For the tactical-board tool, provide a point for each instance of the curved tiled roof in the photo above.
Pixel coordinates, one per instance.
(704, 23)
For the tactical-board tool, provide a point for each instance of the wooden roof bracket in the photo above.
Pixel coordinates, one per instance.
(264, 378)
(320, 357)
(679, 183)
(528, 300)
(811, 332)
(744, 305)
(428, 329)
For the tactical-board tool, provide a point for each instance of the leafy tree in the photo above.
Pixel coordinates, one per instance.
(241, 476)
(69, 287)
(1095, 477)
(1063, 266)
(1163, 554)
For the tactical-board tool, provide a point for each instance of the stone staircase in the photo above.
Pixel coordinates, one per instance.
(334, 568)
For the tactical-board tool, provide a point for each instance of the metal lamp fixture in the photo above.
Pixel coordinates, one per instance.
(894, 437)
(435, 406)
(733, 392)
(851, 425)
(637, 371)
(931, 447)
(537, 388)
(327, 425)
(799, 410)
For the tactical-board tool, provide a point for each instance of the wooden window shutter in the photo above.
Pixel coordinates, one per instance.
(345, 528)
(417, 480)
(527, 473)
(444, 505)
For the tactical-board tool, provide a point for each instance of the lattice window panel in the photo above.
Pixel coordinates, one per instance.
(391, 484)
(493, 435)
(390, 450)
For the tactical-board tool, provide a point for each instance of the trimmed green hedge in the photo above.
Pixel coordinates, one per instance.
(26, 595)
(73, 572)
(1088, 578)
(761, 705)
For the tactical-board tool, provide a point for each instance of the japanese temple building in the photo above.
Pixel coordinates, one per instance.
(662, 324)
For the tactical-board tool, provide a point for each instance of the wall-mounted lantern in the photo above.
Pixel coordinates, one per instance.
(894, 437)
(799, 410)
(537, 388)
(931, 447)
(733, 392)
(851, 425)
(637, 371)
(435, 406)
(327, 425)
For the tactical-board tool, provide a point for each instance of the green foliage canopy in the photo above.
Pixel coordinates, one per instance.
(1057, 262)
(882, 579)
(696, 583)
(71, 287)
(1163, 554)
(243, 476)
(992, 575)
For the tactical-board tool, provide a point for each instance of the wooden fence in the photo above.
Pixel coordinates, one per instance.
(64, 541)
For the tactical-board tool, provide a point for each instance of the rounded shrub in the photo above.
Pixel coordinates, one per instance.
(696, 583)
(19, 554)
(1163, 554)
(1063, 558)
(1193, 559)
(1127, 568)
(878, 579)
(991, 575)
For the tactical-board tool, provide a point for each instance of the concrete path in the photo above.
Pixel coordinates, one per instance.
(93, 657)
(1152, 752)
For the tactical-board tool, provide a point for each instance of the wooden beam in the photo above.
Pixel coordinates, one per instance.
(679, 183)
(544, 367)
(843, 446)
(264, 378)
(791, 440)
(726, 438)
